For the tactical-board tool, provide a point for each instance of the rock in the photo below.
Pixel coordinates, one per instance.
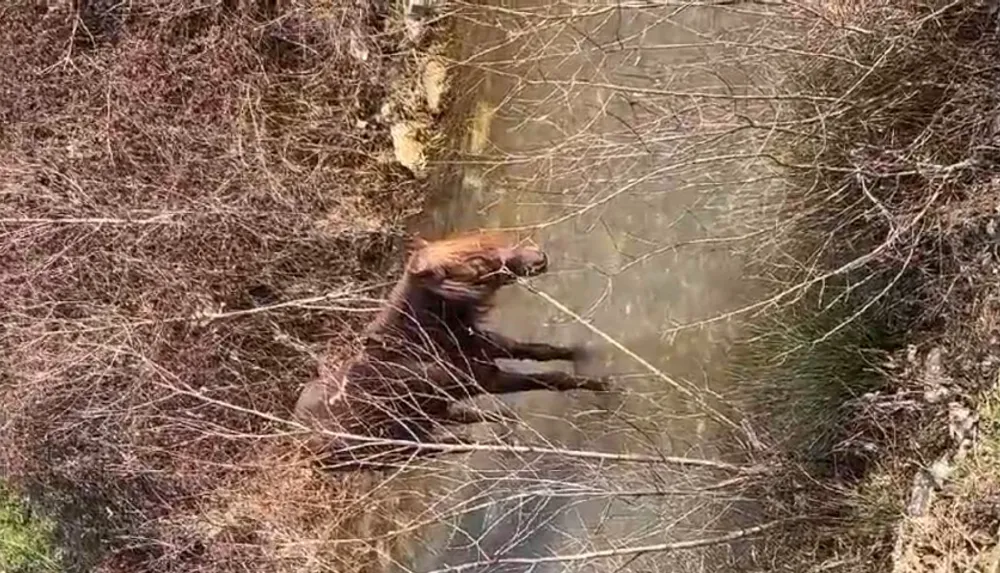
(435, 83)
(386, 112)
(961, 422)
(933, 370)
(921, 494)
(415, 29)
(408, 146)
(939, 471)
(415, 21)
(421, 9)
(357, 49)
(935, 395)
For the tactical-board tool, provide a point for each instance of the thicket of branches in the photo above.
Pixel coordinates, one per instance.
(887, 229)
(885, 256)
(167, 167)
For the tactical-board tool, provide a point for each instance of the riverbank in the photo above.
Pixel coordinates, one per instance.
(878, 358)
(197, 200)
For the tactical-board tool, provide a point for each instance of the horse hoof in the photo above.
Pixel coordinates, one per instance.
(602, 384)
(582, 355)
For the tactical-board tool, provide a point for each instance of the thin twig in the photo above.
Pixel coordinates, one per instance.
(624, 551)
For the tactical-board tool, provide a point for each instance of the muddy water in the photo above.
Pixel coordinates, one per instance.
(613, 136)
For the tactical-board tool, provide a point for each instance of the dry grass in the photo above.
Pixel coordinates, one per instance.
(888, 220)
(959, 531)
(166, 169)
(888, 231)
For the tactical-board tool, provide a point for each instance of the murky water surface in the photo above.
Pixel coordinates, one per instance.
(612, 135)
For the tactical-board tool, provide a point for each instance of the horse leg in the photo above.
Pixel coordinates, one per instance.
(462, 414)
(503, 382)
(461, 444)
(506, 436)
(362, 459)
(500, 346)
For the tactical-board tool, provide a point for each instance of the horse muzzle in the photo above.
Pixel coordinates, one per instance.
(529, 263)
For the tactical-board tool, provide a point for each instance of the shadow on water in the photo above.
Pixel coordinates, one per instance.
(587, 128)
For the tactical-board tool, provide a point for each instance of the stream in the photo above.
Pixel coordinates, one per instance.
(610, 135)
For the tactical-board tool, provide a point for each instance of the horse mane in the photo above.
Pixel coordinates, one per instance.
(453, 250)
(428, 254)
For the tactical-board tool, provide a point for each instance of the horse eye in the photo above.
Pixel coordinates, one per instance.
(480, 265)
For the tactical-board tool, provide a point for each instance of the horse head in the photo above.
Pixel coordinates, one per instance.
(473, 266)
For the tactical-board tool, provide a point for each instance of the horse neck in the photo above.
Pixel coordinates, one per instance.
(413, 310)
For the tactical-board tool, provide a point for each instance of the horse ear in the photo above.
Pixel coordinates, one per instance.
(419, 266)
(415, 242)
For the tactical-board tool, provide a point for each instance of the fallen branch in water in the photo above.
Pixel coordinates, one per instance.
(621, 552)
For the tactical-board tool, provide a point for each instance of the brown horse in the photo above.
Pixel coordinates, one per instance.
(426, 351)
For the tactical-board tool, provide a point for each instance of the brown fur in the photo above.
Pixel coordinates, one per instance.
(426, 351)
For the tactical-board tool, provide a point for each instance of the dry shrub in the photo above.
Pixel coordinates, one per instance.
(892, 133)
(957, 529)
(169, 169)
(278, 515)
(889, 222)
(887, 230)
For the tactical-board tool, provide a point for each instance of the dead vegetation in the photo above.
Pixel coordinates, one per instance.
(168, 169)
(887, 253)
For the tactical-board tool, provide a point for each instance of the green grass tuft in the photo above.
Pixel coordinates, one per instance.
(802, 370)
(26, 540)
